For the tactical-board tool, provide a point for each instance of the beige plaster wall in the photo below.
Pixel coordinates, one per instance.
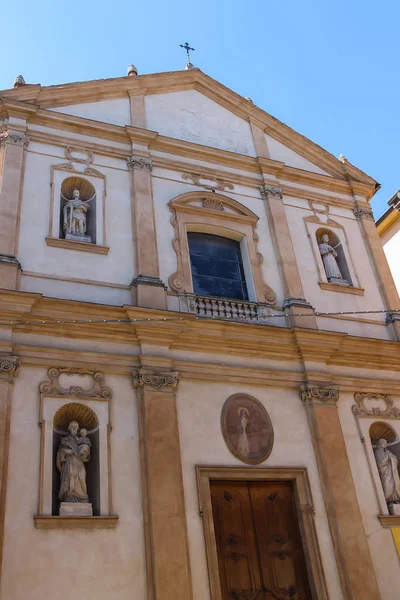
(280, 152)
(115, 111)
(202, 444)
(117, 267)
(381, 544)
(191, 116)
(359, 262)
(391, 246)
(73, 558)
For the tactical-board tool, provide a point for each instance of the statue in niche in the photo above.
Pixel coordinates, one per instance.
(329, 256)
(74, 218)
(73, 452)
(388, 471)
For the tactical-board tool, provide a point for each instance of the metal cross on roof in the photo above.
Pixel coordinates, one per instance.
(187, 48)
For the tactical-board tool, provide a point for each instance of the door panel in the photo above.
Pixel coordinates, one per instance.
(237, 554)
(279, 543)
(260, 553)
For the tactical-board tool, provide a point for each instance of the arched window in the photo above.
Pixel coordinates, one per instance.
(333, 257)
(78, 210)
(217, 266)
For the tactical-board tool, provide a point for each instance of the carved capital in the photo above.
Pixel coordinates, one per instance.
(299, 302)
(319, 394)
(139, 162)
(9, 367)
(360, 409)
(156, 380)
(54, 387)
(269, 191)
(18, 139)
(363, 213)
(392, 317)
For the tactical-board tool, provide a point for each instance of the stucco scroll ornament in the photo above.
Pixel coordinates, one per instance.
(18, 139)
(53, 386)
(157, 380)
(9, 367)
(139, 162)
(363, 213)
(220, 184)
(316, 394)
(360, 410)
(176, 279)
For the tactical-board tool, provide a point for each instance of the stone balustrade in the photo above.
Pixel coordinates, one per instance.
(223, 308)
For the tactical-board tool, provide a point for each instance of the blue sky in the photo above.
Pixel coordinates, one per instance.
(329, 69)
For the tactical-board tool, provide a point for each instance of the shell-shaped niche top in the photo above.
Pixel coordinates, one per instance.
(83, 383)
(74, 411)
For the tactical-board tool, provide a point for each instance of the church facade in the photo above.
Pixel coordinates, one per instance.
(199, 352)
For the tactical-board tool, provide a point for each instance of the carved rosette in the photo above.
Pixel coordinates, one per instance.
(361, 410)
(363, 213)
(156, 380)
(270, 191)
(319, 394)
(17, 139)
(139, 162)
(53, 387)
(9, 367)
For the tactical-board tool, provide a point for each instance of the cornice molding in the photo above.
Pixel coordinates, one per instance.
(312, 394)
(9, 367)
(146, 379)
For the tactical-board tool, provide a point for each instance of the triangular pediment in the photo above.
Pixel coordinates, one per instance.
(191, 106)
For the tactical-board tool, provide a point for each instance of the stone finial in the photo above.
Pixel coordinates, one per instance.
(342, 158)
(189, 67)
(132, 71)
(19, 81)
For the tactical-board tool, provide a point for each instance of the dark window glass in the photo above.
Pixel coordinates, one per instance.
(217, 268)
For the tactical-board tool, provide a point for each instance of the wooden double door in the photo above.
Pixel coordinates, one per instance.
(260, 553)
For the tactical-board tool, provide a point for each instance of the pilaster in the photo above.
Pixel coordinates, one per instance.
(294, 301)
(12, 148)
(167, 554)
(380, 265)
(9, 366)
(353, 558)
(147, 288)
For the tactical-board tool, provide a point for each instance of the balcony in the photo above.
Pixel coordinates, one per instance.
(224, 308)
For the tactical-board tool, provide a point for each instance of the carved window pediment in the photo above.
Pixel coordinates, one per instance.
(208, 212)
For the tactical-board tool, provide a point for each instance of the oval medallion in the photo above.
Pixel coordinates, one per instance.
(247, 429)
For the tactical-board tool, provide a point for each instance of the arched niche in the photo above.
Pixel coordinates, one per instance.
(337, 245)
(83, 211)
(87, 420)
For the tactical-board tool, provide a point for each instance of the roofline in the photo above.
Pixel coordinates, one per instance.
(46, 96)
